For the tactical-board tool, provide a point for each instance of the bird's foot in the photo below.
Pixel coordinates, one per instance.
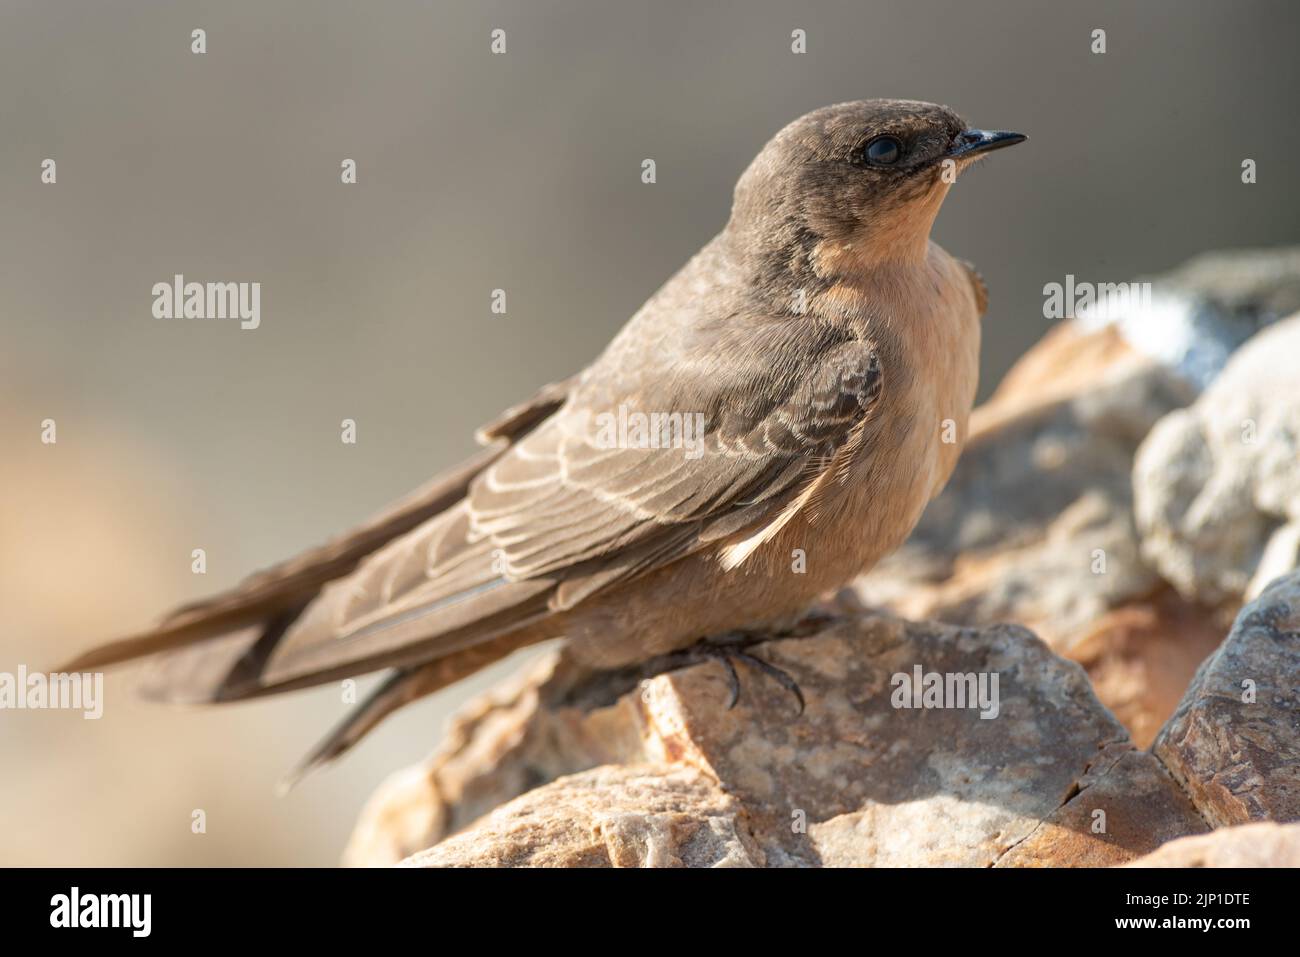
(726, 650)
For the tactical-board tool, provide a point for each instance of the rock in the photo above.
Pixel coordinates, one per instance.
(609, 817)
(1201, 312)
(854, 781)
(1234, 742)
(1247, 845)
(1217, 487)
(402, 816)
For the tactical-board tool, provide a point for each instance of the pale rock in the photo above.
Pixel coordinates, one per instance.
(1217, 485)
(1247, 845)
(1201, 312)
(608, 817)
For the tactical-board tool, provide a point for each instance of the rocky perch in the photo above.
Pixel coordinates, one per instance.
(1120, 507)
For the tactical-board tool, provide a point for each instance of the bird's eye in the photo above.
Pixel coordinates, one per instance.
(883, 151)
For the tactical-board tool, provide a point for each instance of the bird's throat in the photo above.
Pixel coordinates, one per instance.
(894, 234)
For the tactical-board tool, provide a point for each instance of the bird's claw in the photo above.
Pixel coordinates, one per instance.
(779, 675)
(726, 650)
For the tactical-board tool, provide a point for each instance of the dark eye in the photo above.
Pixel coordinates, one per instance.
(883, 151)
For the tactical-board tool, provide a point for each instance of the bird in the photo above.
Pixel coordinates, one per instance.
(808, 376)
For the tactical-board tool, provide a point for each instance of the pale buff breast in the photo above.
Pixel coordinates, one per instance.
(953, 342)
(915, 437)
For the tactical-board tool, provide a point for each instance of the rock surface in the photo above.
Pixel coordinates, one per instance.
(854, 781)
(1217, 486)
(1234, 742)
(609, 817)
(1124, 802)
(1247, 845)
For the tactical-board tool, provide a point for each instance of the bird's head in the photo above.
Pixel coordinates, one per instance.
(860, 181)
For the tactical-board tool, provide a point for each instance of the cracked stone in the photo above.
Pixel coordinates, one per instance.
(1125, 800)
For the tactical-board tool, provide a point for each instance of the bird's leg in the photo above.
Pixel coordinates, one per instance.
(726, 649)
(601, 688)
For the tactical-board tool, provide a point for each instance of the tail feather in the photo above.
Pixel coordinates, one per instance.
(290, 585)
(226, 668)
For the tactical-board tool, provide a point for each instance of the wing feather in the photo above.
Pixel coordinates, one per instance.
(564, 514)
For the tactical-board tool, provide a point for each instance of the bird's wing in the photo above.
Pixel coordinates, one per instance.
(580, 504)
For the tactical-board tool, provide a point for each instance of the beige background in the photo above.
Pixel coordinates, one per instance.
(476, 171)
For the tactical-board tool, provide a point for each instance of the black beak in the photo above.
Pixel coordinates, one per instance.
(973, 142)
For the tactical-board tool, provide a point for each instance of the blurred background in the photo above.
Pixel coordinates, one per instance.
(475, 172)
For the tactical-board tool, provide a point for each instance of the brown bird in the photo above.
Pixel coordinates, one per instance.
(827, 352)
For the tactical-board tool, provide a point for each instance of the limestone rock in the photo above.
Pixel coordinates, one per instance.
(609, 817)
(1217, 487)
(1247, 845)
(853, 781)
(1234, 742)
(402, 816)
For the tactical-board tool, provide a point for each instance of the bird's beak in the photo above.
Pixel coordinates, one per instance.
(974, 142)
